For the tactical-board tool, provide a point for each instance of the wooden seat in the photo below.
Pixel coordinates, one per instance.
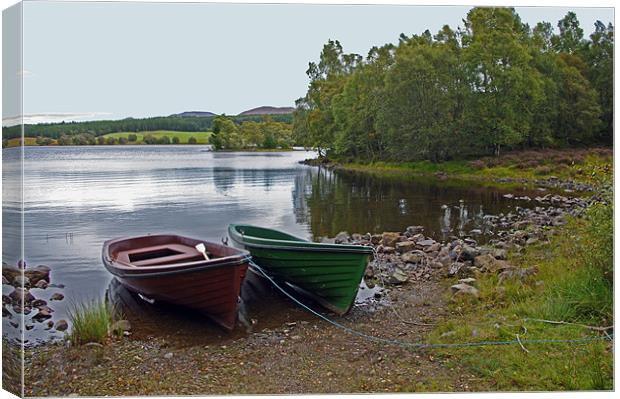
(159, 255)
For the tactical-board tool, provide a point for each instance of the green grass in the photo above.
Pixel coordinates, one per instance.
(91, 322)
(574, 284)
(201, 137)
(574, 164)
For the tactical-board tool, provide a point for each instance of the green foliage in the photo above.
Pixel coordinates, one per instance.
(91, 322)
(267, 133)
(176, 140)
(192, 140)
(132, 138)
(495, 85)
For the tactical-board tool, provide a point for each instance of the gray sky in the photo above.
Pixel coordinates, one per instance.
(114, 60)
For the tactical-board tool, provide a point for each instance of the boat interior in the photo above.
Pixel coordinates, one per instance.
(160, 255)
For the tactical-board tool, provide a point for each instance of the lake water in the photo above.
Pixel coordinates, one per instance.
(77, 197)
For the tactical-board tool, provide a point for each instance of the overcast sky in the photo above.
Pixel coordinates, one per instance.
(114, 60)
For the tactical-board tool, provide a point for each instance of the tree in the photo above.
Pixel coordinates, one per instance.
(175, 140)
(163, 140)
(123, 140)
(110, 140)
(571, 35)
(192, 140)
(132, 137)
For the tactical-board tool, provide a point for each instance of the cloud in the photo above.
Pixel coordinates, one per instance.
(51, 117)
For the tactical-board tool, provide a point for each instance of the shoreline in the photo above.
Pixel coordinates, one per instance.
(429, 285)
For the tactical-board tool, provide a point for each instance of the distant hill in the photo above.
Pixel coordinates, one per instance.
(267, 110)
(195, 113)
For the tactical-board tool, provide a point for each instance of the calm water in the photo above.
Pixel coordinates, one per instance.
(77, 197)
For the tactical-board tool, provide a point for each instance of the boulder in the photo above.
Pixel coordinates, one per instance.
(398, 276)
(389, 239)
(120, 326)
(405, 246)
(61, 325)
(37, 303)
(38, 273)
(21, 281)
(488, 263)
(42, 315)
(426, 243)
(57, 296)
(41, 284)
(469, 253)
(10, 272)
(21, 294)
(342, 237)
(412, 257)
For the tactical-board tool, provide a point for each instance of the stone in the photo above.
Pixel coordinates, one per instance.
(342, 237)
(412, 257)
(57, 296)
(469, 280)
(436, 265)
(61, 325)
(327, 240)
(499, 253)
(37, 273)
(168, 355)
(487, 263)
(433, 248)
(375, 239)
(6, 299)
(42, 315)
(456, 268)
(357, 237)
(398, 276)
(4, 280)
(10, 272)
(50, 325)
(469, 253)
(6, 312)
(521, 273)
(42, 284)
(389, 239)
(426, 243)
(121, 326)
(386, 250)
(532, 240)
(405, 246)
(464, 289)
(38, 303)
(21, 294)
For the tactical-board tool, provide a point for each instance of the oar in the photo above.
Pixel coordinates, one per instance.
(203, 250)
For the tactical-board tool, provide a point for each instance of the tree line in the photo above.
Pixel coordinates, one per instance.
(494, 84)
(267, 133)
(103, 127)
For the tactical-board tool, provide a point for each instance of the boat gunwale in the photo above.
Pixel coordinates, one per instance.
(129, 271)
(308, 246)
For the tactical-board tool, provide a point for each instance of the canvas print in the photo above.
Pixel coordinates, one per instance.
(228, 198)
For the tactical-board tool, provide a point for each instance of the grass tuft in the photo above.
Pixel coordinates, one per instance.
(91, 322)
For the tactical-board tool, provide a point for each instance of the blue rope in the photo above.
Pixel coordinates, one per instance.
(420, 345)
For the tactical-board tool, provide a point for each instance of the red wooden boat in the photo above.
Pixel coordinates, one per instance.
(170, 268)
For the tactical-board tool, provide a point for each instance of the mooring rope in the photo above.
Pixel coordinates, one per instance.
(609, 337)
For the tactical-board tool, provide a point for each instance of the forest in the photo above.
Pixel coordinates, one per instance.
(493, 85)
(99, 128)
(267, 134)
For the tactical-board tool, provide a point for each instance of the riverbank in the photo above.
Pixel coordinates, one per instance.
(566, 169)
(541, 259)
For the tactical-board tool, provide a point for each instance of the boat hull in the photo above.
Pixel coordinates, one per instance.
(210, 287)
(330, 274)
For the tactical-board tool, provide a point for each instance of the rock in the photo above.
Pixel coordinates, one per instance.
(412, 257)
(61, 325)
(436, 265)
(532, 240)
(375, 239)
(6, 299)
(475, 231)
(57, 296)
(38, 303)
(327, 240)
(386, 250)
(487, 263)
(29, 326)
(42, 315)
(499, 254)
(37, 273)
(120, 326)
(357, 237)
(456, 268)
(168, 355)
(464, 289)
(389, 239)
(469, 253)
(21, 281)
(21, 294)
(10, 272)
(521, 274)
(41, 284)
(433, 248)
(50, 325)
(6, 312)
(4, 280)
(405, 246)
(469, 280)
(426, 243)
(398, 276)
(342, 237)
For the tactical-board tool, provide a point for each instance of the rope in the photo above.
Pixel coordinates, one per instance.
(420, 344)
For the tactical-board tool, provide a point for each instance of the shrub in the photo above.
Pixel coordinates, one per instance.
(164, 140)
(110, 141)
(122, 140)
(132, 137)
(175, 140)
(192, 140)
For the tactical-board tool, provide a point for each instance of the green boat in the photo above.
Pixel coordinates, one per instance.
(328, 273)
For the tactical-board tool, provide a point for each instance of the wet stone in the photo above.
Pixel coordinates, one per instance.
(57, 296)
(61, 325)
